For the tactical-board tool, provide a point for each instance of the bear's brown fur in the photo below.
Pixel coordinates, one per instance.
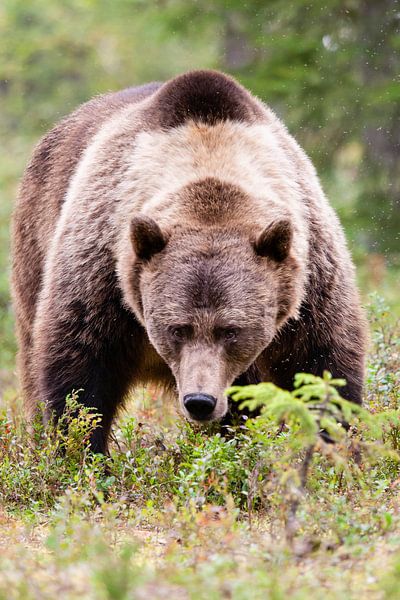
(177, 233)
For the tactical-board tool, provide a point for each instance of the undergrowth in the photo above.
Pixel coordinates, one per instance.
(273, 488)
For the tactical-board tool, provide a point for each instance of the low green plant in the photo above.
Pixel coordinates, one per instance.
(313, 406)
(305, 417)
(38, 463)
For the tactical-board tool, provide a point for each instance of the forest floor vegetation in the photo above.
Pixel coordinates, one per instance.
(267, 509)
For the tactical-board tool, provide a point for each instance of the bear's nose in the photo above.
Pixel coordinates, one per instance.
(199, 406)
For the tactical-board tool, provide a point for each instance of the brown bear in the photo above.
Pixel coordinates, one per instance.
(176, 233)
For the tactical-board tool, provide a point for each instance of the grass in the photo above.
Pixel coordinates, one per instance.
(201, 514)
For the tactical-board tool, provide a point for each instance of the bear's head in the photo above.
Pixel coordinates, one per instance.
(211, 300)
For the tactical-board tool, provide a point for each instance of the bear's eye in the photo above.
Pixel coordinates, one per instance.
(230, 335)
(180, 332)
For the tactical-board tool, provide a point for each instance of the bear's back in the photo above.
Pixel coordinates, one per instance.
(45, 182)
(59, 151)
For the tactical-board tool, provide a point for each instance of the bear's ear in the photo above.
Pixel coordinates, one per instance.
(275, 241)
(146, 237)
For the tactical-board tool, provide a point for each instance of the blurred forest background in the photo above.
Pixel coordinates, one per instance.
(330, 69)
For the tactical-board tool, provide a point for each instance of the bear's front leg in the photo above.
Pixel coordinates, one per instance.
(87, 348)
